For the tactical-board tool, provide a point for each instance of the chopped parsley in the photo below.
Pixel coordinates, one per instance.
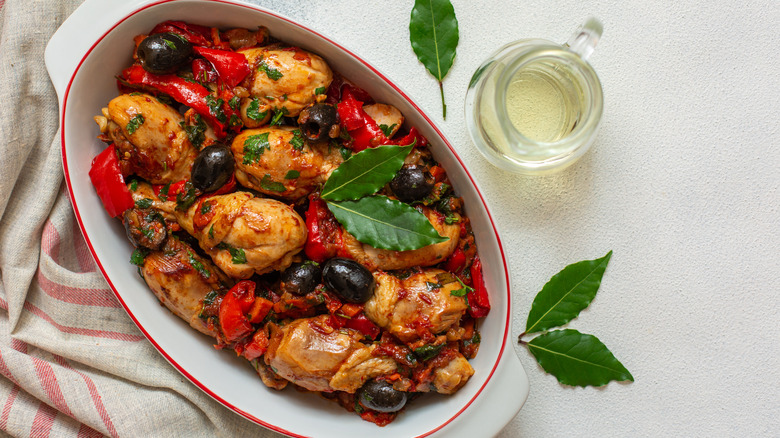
(134, 123)
(319, 90)
(297, 140)
(278, 114)
(292, 174)
(253, 110)
(254, 146)
(197, 265)
(215, 108)
(138, 256)
(345, 152)
(211, 232)
(164, 191)
(463, 291)
(428, 351)
(238, 254)
(387, 130)
(170, 44)
(235, 120)
(205, 208)
(432, 286)
(233, 102)
(271, 72)
(143, 204)
(133, 185)
(268, 184)
(197, 132)
(146, 232)
(187, 197)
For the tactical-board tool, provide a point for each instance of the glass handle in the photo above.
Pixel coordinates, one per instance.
(584, 40)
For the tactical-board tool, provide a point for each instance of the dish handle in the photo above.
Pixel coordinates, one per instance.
(77, 34)
(500, 402)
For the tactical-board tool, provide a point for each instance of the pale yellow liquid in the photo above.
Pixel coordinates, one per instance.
(543, 103)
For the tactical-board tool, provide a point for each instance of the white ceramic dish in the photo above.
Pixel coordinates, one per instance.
(83, 56)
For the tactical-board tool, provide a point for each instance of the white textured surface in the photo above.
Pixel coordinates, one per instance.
(683, 184)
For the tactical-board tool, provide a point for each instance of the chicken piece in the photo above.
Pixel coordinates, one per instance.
(141, 191)
(268, 376)
(285, 79)
(374, 258)
(149, 138)
(314, 355)
(245, 235)
(452, 376)
(387, 115)
(278, 161)
(423, 301)
(181, 279)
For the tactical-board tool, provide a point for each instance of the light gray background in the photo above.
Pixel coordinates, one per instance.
(682, 184)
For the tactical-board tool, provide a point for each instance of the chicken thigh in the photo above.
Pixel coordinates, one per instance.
(245, 235)
(149, 138)
(278, 161)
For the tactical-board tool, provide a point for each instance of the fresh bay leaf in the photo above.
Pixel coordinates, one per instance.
(566, 294)
(433, 32)
(385, 223)
(577, 359)
(364, 173)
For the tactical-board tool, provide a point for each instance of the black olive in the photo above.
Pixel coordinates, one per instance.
(317, 121)
(411, 184)
(212, 167)
(145, 227)
(301, 278)
(381, 396)
(350, 280)
(163, 53)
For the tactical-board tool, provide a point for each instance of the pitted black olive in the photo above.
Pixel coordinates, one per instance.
(212, 167)
(163, 53)
(317, 121)
(350, 280)
(145, 227)
(381, 396)
(301, 278)
(411, 184)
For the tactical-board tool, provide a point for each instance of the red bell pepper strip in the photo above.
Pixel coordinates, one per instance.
(204, 71)
(106, 177)
(256, 347)
(233, 308)
(172, 190)
(362, 324)
(195, 34)
(231, 66)
(357, 93)
(259, 310)
(456, 261)
(324, 233)
(185, 92)
(479, 303)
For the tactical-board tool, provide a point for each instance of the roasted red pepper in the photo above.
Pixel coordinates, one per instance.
(106, 177)
(256, 347)
(231, 66)
(259, 310)
(233, 309)
(456, 262)
(195, 34)
(479, 303)
(362, 324)
(364, 130)
(204, 71)
(169, 191)
(185, 92)
(324, 233)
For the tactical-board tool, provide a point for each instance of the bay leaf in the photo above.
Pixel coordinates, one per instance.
(364, 173)
(566, 294)
(385, 223)
(577, 359)
(433, 33)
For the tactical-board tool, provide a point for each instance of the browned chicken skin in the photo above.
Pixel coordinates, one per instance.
(149, 138)
(282, 169)
(245, 235)
(283, 79)
(387, 260)
(181, 279)
(423, 300)
(315, 356)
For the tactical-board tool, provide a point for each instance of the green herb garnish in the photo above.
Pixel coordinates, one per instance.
(254, 146)
(143, 204)
(134, 123)
(238, 255)
(268, 184)
(215, 108)
(187, 197)
(427, 352)
(297, 140)
(292, 174)
(269, 71)
(138, 256)
(195, 133)
(197, 265)
(278, 115)
(319, 90)
(387, 130)
(253, 111)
